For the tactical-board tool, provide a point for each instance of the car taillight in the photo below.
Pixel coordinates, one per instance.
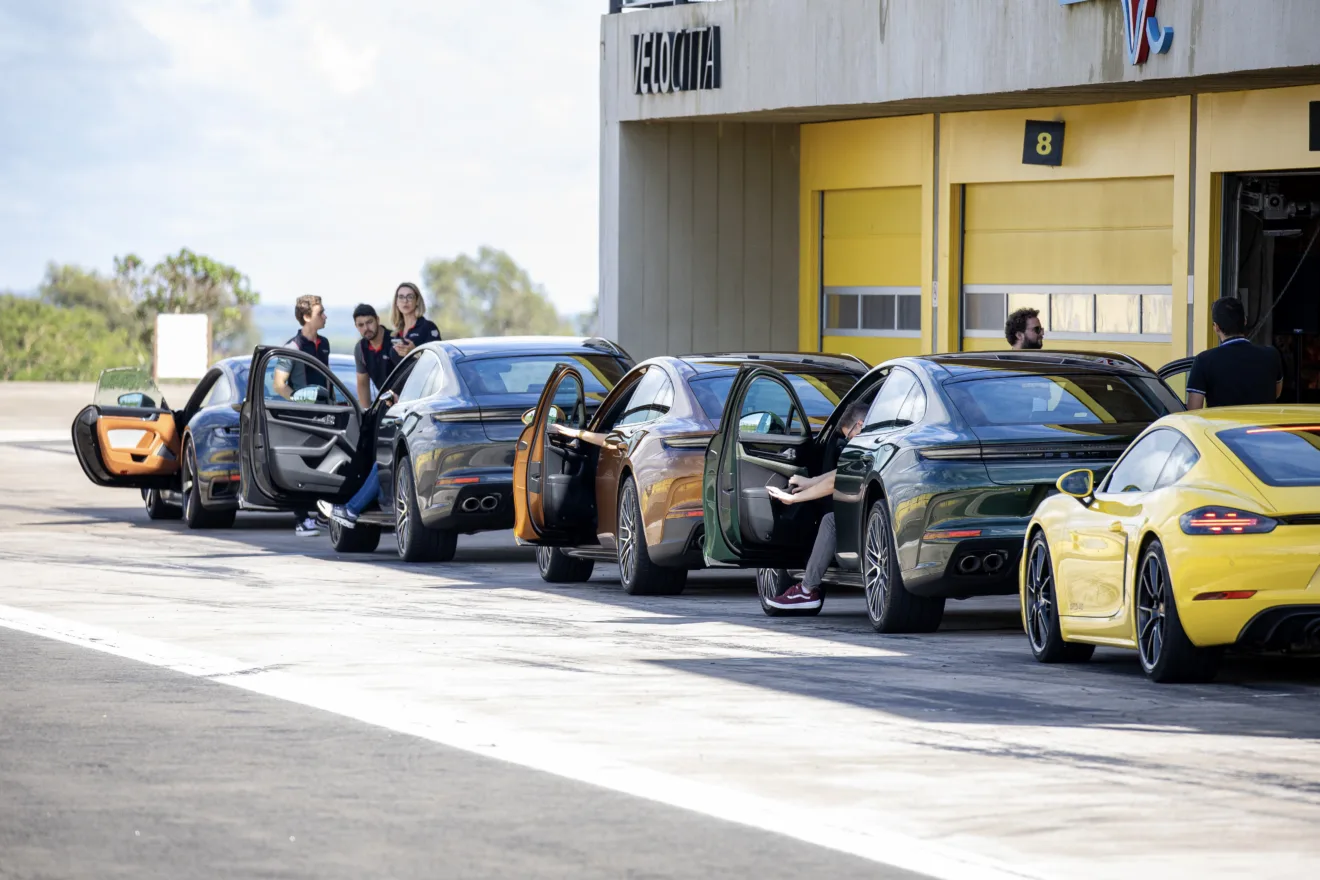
(1225, 521)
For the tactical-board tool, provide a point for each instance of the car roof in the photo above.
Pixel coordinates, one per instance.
(1220, 418)
(965, 364)
(481, 346)
(242, 360)
(793, 362)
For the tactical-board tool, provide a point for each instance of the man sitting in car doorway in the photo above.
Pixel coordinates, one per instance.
(806, 595)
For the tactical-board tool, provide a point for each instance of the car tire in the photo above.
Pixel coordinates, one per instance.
(361, 539)
(416, 542)
(557, 567)
(196, 514)
(158, 508)
(770, 582)
(1040, 610)
(889, 605)
(1167, 655)
(639, 575)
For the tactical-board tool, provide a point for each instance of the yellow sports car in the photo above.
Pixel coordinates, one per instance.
(1206, 533)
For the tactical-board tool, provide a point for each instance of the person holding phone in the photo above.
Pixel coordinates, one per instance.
(408, 315)
(806, 594)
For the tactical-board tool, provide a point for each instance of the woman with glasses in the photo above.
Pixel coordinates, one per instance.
(407, 314)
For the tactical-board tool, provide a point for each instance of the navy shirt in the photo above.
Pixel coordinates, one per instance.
(299, 375)
(423, 332)
(1237, 373)
(376, 362)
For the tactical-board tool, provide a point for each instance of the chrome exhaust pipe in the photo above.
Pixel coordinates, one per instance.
(969, 564)
(490, 502)
(995, 561)
(470, 504)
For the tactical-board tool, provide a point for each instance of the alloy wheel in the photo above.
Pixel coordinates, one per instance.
(1151, 619)
(402, 490)
(876, 565)
(544, 556)
(149, 497)
(628, 535)
(1040, 596)
(767, 583)
(188, 483)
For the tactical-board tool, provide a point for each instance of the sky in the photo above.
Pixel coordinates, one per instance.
(320, 146)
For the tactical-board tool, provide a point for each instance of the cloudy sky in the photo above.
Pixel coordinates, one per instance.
(321, 146)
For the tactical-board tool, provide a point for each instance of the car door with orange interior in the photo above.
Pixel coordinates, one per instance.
(128, 436)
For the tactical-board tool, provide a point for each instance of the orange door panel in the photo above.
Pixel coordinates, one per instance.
(522, 526)
(132, 446)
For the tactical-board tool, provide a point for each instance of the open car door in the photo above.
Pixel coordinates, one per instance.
(1174, 375)
(299, 434)
(554, 497)
(128, 436)
(764, 439)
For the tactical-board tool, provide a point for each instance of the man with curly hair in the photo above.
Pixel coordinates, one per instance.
(1024, 331)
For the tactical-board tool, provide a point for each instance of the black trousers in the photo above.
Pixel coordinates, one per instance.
(822, 553)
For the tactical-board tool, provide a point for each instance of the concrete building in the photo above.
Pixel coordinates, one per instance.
(888, 177)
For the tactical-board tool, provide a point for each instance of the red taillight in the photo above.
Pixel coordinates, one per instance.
(457, 481)
(684, 514)
(1231, 594)
(951, 535)
(1225, 521)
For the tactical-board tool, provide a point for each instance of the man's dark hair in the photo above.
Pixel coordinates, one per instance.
(1230, 316)
(856, 412)
(364, 311)
(1017, 323)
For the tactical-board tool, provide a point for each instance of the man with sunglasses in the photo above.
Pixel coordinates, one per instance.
(1023, 330)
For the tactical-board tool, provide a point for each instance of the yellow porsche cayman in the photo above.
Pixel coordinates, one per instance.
(1206, 533)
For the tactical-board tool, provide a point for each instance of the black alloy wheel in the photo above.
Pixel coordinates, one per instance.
(1040, 611)
(1167, 654)
(641, 576)
(557, 567)
(362, 538)
(195, 513)
(770, 582)
(157, 507)
(889, 605)
(416, 542)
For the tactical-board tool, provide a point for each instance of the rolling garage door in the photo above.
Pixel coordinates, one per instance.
(871, 272)
(1095, 257)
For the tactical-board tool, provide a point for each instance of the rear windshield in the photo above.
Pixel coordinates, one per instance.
(525, 376)
(1283, 455)
(819, 392)
(1075, 399)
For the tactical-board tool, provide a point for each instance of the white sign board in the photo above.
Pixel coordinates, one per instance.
(183, 346)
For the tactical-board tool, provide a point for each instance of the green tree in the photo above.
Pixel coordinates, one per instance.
(488, 295)
(69, 286)
(36, 336)
(189, 283)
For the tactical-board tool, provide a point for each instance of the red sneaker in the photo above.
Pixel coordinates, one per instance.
(796, 596)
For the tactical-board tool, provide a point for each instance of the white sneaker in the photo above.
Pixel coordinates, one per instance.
(307, 528)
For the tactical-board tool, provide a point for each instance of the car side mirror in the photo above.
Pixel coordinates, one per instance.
(136, 398)
(1078, 484)
(529, 416)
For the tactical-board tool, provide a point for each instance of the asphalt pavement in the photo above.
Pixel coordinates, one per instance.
(248, 703)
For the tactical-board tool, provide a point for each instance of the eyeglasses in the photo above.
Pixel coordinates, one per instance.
(406, 296)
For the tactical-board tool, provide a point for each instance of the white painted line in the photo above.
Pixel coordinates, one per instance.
(833, 831)
(25, 436)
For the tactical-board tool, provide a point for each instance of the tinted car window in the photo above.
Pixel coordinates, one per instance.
(767, 408)
(651, 398)
(1140, 468)
(221, 392)
(1278, 456)
(1183, 458)
(419, 380)
(526, 375)
(890, 400)
(819, 393)
(914, 408)
(1076, 399)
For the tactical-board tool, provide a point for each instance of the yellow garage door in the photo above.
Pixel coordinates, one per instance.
(871, 272)
(1094, 257)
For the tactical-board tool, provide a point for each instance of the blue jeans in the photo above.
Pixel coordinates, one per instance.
(369, 492)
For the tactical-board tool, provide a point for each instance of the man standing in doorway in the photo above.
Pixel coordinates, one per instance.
(1023, 330)
(292, 376)
(1238, 372)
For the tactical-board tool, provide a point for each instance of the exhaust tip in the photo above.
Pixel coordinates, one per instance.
(470, 505)
(995, 561)
(969, 564)
(490, 502)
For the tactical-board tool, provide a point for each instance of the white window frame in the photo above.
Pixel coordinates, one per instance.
(1094, 290)
(861, 293)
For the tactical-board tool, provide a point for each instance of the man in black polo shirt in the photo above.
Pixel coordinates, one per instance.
(292, 376)
(374, 354)
(1238, 372)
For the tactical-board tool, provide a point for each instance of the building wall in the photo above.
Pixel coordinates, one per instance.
(704, 251)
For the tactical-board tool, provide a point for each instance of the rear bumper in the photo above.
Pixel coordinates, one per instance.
(967, 567)
(680, 546)
(473, 507)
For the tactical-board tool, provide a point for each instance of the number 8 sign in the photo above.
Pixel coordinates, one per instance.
(1043, 144)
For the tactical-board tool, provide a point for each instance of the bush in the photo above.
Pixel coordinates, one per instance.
(39, 341)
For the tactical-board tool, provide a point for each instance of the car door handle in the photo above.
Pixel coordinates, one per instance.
(1116, 526)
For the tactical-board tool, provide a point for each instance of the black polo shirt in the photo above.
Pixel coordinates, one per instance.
(1237, 373)
(376, 362)
(423, 331)
(299, 375)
